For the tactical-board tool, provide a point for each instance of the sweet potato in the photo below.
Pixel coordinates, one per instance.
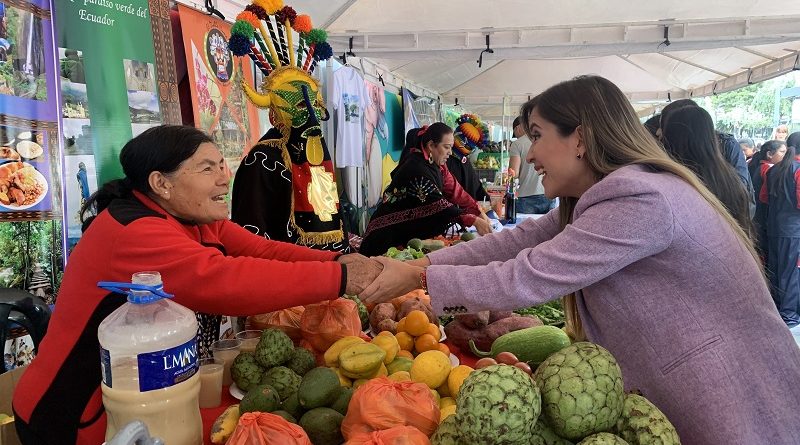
(417, 304)
(418, 293)
(476, 320)
(499, 315)
(460, 335)
(382, 311)
(387, 324)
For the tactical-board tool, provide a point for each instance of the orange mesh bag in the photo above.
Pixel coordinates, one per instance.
(381, 404)
(399, 435)
(267, 429)
(324, 323)
(287, 320)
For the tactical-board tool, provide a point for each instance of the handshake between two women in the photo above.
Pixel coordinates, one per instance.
(380, 279)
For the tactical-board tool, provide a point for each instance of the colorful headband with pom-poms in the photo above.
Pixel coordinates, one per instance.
(264, 31)
(470, 133)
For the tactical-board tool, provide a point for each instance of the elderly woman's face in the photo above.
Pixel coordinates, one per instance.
(199, 188)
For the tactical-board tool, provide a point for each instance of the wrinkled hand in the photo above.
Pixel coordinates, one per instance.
(361, 271)
(398, 278)
(421, 262)
(483, 226)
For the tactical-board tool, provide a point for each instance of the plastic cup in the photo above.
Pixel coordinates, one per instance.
(226, 350)
(211, 371)
(249, 340)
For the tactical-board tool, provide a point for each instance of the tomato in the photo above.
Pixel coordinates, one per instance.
(484, 362)
(506, 358)
(524, 366)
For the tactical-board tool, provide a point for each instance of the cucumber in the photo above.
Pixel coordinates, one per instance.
(530, 345)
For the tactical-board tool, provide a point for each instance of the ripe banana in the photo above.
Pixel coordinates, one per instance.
(225, 424)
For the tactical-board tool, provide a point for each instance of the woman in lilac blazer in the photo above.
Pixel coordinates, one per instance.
(654, 267)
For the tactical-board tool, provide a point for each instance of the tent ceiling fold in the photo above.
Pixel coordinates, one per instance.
(715, 45)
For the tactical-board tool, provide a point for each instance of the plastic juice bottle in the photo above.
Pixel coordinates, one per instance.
(148, 352)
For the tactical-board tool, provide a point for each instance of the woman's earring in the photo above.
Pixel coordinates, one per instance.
(580, 156)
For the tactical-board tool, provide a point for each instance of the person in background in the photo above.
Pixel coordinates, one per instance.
(424, 199)
(781, 132)
(771, 152)
(780, 192)
(748, 148)
(169, 214)
(462, 169)
(689, 137)
(731, 150)
(530, 194)
(656, 270)
(653, 125)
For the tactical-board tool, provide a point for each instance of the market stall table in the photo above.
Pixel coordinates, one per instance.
(209, 415)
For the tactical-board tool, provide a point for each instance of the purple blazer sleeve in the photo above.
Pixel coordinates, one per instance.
(499, 246)
(617, 222)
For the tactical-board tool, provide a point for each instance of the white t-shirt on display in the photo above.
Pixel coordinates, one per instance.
(350, 99)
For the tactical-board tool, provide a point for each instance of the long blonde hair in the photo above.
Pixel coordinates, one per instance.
(614, 138)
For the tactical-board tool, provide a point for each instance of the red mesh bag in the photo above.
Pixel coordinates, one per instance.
(324, 323)
(382, 404)
(287, 320)
(267, 429)
(399, 435)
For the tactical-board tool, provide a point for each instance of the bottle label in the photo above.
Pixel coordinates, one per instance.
(105, 366)
(162, 369)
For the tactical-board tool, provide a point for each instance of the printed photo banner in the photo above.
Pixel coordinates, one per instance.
(102, 109)
(30, 187)
(220, 106)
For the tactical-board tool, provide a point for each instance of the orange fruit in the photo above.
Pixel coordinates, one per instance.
(416, 323)
(401, 325)
(404, 353)
(426, 342)
(443, 347)
(405, 341)
(434, 331)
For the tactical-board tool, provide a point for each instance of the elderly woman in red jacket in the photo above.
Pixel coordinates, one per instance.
(169, 214)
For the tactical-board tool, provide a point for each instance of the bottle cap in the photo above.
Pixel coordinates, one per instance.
(146, 288)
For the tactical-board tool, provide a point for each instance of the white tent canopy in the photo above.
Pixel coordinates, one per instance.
(714, 45)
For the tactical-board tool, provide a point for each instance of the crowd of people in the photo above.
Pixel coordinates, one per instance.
(652, 248)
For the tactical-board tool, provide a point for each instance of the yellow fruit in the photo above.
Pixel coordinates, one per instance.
(361, 360)
(385, 333)
(332, 354)
(443, 390)
(359, 382)
(224, 425)
(434, 331)
(446, 412)
(405, 354)
(400, 364)
(400, 376)
(456, 379)
(343, 380)
(435, 396)
(431, 368)
(405, 341)
(416, 323)
(426, 342)
(444, 402)
(389, 344)
(401, 325)
(382, 372)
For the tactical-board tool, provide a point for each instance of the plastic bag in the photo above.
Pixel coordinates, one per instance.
(399, 435)
(381, 404)
(287, 320)
(324, 323)
(267, 429)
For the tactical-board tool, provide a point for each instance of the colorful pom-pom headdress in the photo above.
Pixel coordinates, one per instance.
(266, 31)
(470, 133)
